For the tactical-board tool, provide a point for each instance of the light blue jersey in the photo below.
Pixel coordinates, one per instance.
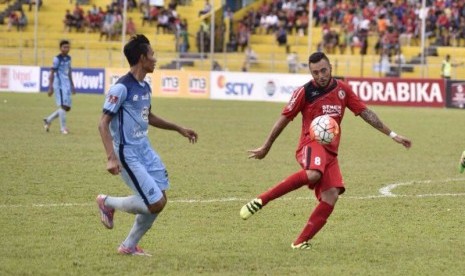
(129, 103)
(61, 81)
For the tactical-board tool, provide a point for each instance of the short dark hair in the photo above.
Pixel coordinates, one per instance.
(138, 45)
(64, 42)
(316, 57)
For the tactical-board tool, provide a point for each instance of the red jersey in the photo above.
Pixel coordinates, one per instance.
(313, 101)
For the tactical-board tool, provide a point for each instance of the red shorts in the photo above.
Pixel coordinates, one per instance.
(314, 156)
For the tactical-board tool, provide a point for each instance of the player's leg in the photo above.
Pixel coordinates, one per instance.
(55, 114)
(146, 176)
(65, 93)
(327, 192)
(311, 156)
(142, 224)
(462, 162)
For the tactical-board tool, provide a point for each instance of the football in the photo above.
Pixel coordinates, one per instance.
(323, 129)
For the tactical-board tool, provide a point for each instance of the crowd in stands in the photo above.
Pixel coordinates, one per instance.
(347, 24)
(18, 20)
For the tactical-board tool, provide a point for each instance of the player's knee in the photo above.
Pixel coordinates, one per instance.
(330, 196)
(158, 206)
(66, 108)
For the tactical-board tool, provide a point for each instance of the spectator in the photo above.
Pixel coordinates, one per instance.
(12, 20)
(33, 3)
(301, 24)
(250, 58)
(243, 35)
(172, 5)
(206, 9)
(183, 37)
(399, 57)
(130, 27)
(292, 61)
(272, 22)
(22, 21)
(446, 68)
(163, 22)
(281, 36)
(68, 21)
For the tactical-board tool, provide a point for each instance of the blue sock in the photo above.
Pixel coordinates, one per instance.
(142, 224)
(62, 115)
(130, 204)
(52, 116)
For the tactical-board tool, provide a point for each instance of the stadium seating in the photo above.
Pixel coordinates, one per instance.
(88, 51)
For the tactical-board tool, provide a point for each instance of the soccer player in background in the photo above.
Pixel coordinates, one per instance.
(127, 114)
(320, 169)
(446, 67)
(462, 162)
(61, 83)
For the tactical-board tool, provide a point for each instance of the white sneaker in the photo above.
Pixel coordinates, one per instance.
(64, 131)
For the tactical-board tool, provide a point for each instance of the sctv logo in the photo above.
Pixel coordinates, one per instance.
(235, 88)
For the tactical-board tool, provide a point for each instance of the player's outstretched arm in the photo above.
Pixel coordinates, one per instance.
(261, 152)
(159, 122)
(371, 118)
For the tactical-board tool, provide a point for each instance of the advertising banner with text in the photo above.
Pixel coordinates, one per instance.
(399, 92)
(85, 80)
(255, 86)
(455, 94)
(169, 83)
(19, 78)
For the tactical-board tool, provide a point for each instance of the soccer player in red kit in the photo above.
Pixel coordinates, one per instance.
(320, 168)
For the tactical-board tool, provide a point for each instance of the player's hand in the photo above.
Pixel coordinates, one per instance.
(50, 92)
(73, 91)
(113, 166)
(259, 153)
(190, 134)
(403, 140)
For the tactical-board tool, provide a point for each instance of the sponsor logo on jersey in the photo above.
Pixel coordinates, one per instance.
(112, 99)
(145, 113)
(135, 98)
(332, 110)
(341, 94)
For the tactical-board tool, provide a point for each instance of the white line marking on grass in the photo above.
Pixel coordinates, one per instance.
(385, 192)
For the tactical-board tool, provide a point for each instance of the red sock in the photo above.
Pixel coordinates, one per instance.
(316, 222)
(289, 184)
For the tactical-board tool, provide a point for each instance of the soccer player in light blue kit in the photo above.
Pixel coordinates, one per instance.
(61, 83)
(127, 114)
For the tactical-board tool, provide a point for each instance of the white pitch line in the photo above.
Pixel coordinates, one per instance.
(385, 192)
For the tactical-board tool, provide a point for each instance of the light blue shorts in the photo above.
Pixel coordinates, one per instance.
(143, 171)
(62, 95)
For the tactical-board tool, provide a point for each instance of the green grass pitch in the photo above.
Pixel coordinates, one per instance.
(50, 224)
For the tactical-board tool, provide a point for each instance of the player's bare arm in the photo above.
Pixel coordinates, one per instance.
(50, 82)
(371, 118)
(73, 90)
(278, 127)
(161, 123)
(113, 165)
